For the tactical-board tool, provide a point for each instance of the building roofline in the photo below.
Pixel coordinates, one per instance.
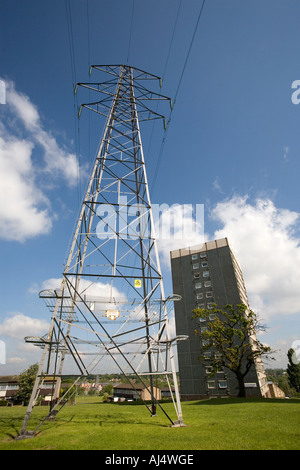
(206, 246)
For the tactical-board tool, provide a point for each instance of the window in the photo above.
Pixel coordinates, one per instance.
(207, 284)
(222, 383)
(200, 306)
(194, 257)
(211, 384)
(203, 329)
(13, 387)
(207, 355)
(202, 255)
(196, 266)
(204, 264)
(196, 275)
(199, 296)
(201, 319)
(212, 316)
(205, 273)
(210, 305)
(209, 294)
(208, 369)
(198, 285)
(48, 386)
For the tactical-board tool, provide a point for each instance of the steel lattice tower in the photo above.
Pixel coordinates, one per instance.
(111, 305)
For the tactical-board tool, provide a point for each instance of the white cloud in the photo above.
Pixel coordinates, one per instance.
(18, 326)
(217, 186)
(178, 226)
(13, 329)
(16, 360)
(21, 215)
(58, 160)
(23, 108)
(25, 211)
(263, 238)
(86, 287)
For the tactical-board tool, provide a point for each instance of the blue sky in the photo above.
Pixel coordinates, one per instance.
(232, 143)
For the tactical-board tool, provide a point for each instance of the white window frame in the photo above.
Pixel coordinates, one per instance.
(222, 386)
(211, 384)
(200, 318)
(12, 387)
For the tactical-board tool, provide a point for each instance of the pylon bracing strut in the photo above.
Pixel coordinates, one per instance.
(111, 309)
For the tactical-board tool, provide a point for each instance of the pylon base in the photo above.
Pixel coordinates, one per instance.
(25, 435)
(178, 424)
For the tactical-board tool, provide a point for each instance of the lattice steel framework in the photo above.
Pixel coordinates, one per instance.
(111, 305)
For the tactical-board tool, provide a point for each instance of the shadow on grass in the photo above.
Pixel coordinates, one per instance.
(239, 401)
(11, 425)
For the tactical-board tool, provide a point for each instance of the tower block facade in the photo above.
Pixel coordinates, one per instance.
(204, 275)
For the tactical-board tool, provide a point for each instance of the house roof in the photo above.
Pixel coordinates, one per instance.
(130, 386)
(9, 378)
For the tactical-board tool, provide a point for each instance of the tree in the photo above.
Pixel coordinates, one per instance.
(293, 370)
(230, 336)
(26, 382)
(107, 389)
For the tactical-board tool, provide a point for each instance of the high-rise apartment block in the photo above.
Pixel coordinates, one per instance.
(203, 275)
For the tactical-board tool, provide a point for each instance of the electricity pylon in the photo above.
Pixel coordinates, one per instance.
(110, 307)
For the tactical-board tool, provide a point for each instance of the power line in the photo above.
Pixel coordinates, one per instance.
(130, 33)
(189, 51)
(71, 40)
(88, 33)
(172, 39)
(73, 73)
(176, 94)
(165, 68)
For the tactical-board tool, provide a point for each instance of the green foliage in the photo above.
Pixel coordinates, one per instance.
(26, 382)
(293, 371)
(107, 390)
(227, 333)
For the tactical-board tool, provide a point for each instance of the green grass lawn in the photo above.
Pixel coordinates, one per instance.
(228, 424)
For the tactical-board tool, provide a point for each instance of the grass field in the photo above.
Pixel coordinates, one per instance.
(228, 424)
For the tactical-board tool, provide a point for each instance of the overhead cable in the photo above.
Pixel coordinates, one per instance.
(176, 93)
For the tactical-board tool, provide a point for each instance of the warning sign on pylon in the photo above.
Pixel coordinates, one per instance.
(137, 283)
